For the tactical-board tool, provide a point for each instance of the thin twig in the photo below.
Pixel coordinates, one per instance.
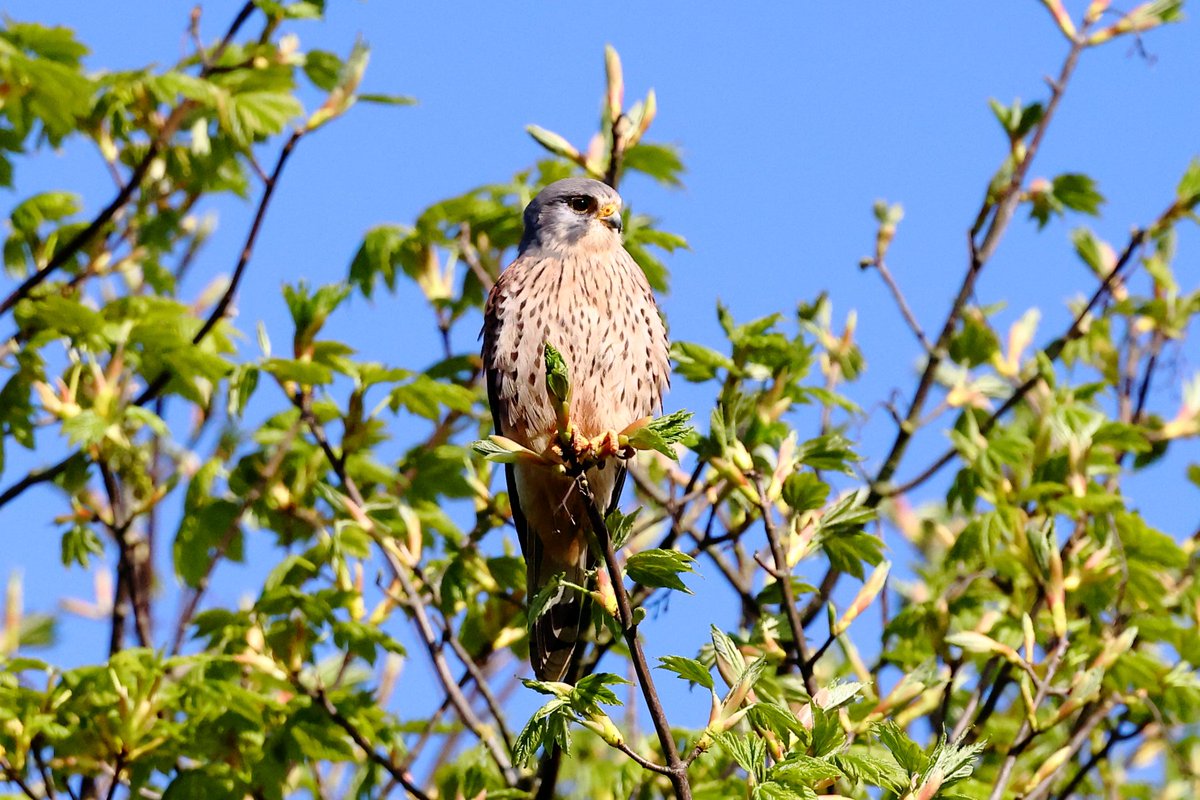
(1114, 738)
(1001, 213)
(349, 727)
(1023, 737)
(881, 267)
(35, 749)
(799, 655)
(219, 310)
(617, 154)
(36, 476)
(12, 775)
(642, 761)
(264, 482)
(1081, 735)
(414, 602)
(481, 683)
(985, 680)
(471, 255)
(1052, 352)
(84, 237)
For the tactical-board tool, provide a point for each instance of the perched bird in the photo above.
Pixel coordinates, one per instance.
(573, 285)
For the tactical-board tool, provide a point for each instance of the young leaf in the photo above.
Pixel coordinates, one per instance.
(689, 669)
(660, 568)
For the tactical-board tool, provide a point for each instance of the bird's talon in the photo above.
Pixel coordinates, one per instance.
(607, 445)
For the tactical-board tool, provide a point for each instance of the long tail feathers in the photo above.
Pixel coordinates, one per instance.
(556, 636)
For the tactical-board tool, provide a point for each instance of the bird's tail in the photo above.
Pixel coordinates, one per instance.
(552, 523)
(555, 636)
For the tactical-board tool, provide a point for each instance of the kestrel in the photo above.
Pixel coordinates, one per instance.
(572, 284)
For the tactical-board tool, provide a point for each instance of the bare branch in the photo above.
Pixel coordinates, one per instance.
(881, 267)
(398, 774)
(677, 769)
(783, 575)
(1026, 733)
(1052, 352)
(413, 601)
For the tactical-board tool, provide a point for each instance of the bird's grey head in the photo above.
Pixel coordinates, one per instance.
(571, 212)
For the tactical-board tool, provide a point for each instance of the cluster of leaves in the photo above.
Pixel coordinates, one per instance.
(1042, 643)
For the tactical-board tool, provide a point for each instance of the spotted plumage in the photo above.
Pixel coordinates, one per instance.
(574, 285)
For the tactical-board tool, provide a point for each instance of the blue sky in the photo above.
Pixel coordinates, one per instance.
(792, 118)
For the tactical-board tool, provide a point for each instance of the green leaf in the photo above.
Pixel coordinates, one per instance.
(1017, 120)
(323, 68)
(697, 363)
(1188, 192)
(426, 397)
(804, 491)
(873, 769)
(33, 212)
(829, 452)
(79, 544)
(975, 342)
(306, 373)
(689, 669)
(750, 753)
(620, 526)
(908, 754)
(541, 601)
(662, 432)
(556, 144)
(377, 257)
(256, 114)
(1093, 252)
(802, 771)
(953, 761)
(661, 162)
(728, 653)
(387, 99)
(54, 43)
(591, 691)
(1078, 192)
(660, 568)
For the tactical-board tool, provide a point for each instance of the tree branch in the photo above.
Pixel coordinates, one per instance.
(783, 575)
(399, 571)
(219, 310)
(905, 310)
(1114, 738)
(677, 769)
(266, 478)
(155, 387)
(1001, 214)
(1025, 733)
(84, 237)
(1052, 352)
(349, 727)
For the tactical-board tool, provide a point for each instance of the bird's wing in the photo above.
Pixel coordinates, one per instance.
(492, 370)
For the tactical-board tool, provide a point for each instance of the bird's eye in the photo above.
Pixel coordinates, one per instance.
(581, 204)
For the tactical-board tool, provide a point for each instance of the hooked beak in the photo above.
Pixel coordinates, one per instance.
(610, 215)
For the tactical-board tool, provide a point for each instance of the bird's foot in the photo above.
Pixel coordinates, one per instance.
(608, 445)
(584, 453)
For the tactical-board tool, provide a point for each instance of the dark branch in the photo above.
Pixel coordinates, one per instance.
(349, 727)
(84, 237)
(677, 769)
